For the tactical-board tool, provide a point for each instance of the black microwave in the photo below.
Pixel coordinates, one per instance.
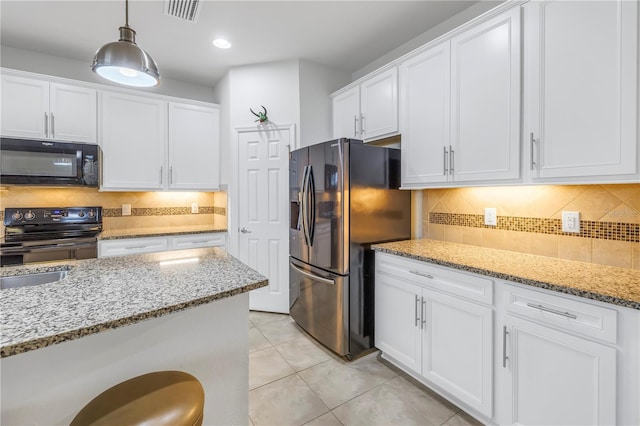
(38, 162)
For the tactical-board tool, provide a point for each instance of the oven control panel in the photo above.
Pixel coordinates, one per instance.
(47, 215)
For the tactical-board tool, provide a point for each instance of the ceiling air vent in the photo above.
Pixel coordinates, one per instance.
(186, 10)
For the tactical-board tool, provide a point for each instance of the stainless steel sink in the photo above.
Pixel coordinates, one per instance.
(14, 281)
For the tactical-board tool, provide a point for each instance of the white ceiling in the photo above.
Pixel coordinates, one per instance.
(346, 35)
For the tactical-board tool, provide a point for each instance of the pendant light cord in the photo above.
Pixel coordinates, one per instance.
(126, 13)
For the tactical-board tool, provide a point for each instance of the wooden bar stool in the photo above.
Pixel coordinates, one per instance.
(168, 398)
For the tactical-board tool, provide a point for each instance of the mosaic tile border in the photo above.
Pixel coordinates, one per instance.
(164, 211)
(615, 231)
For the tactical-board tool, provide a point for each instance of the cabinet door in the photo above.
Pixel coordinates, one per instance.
(559, 379)
(346, 114)
(397, 320)
(73, 113)
(134, 139)
(457, 349)
(424, 123)
(485, 103)
(25, 107)
(379, 105)
(194, 147)
(581, 90)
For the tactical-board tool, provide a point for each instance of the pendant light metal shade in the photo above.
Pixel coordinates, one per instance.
(124, 62)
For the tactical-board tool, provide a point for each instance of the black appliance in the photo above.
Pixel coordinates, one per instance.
(37, 162)
(46, 234)
(344, 197)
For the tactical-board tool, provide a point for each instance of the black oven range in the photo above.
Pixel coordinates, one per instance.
(50, 233)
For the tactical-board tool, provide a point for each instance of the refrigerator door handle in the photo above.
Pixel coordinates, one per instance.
(312, 209)
(303, 205)
(312, 276)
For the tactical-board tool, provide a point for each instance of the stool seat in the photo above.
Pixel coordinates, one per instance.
(158, 398)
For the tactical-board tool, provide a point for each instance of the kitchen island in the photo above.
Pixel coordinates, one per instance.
(112, 319)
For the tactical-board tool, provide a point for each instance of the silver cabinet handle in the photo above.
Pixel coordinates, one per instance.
(415, 310)
(46, 124)
(313, 277)
(422, 274)
(362, 130)
(170, 175)
(355, 126)
(423, 313)
(161, 169)
(450, 160)
(199, 242)
(504, 346)
(553, 311)
(135, 247)
(444, 160)
(531, 142)
(245, 230)
(53, 127)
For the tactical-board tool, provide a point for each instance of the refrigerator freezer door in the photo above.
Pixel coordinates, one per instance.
(320, 305)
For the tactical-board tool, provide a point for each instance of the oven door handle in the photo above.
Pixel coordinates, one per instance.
(45, 247)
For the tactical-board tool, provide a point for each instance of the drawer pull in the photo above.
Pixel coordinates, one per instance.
(423, 313)
(422, 274)
(200, 242)
(553, 311)
(135, 247)
(416, 310)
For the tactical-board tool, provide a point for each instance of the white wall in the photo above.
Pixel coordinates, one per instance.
(26, 60)
(317, 82)
(466, 15)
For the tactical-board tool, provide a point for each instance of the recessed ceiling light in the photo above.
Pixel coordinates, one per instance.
(221, 43)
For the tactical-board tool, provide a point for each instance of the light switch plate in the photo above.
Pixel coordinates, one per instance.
(571, 222)
(126, 210)
(194, 207)
(490, 216)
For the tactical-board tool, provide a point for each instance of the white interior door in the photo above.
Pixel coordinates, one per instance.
(263, 215)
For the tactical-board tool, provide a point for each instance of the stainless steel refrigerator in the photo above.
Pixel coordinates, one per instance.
(344, 197)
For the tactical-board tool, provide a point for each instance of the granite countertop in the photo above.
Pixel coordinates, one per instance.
(619, 286)
(102, 294)
(162, 231)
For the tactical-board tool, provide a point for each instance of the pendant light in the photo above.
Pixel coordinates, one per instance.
(124, 62)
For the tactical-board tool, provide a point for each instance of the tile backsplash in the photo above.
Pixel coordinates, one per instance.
(529, 220)
(148, 209)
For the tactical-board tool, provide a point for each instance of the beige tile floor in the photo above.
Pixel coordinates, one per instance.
(295, 381)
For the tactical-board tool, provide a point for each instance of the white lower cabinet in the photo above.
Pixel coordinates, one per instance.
(443, 339)
(555, 378)
(559, 359)
(125, 246)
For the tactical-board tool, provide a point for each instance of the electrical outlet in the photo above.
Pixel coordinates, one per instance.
(570, 221)
(490, 216)
(126, 210)
(194, 207)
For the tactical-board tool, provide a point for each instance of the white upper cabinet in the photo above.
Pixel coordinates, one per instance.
(346, 114)
(39, 109)
(134, 140)
(425, 116)
(460, 107)
(194, 147)
(485, 100)
(369, 110)
(581, 90)
(379, 105)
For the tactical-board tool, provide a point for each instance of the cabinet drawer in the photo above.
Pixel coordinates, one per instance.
(131, 246)
(197, 240)
(439, 278)
(578, 317)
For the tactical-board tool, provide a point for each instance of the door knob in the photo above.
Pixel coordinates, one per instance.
(245, 230)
